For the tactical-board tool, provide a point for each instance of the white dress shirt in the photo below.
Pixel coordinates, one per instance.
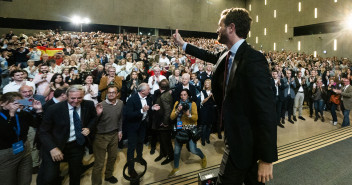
(72, 125)
(144, 103)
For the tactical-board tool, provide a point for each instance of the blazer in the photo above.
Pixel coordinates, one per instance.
(179, 88)
(132, 110)
(289, 86)
(103, 85)
(347, 98)
(281, 89)
(55, 128)
(298, 85)
(248, 104)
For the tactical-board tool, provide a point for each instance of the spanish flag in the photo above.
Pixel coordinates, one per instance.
(50, 51)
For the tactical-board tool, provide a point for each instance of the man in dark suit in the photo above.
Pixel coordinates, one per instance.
(185, 85)
(59, 96)
(289, 97)
(63, 134)
(136, 112)
(278, 87)
(242, 88)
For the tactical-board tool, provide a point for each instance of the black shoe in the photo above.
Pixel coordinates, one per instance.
(111, 179)
(167, 160)
(282, 121)
(152, 151)
(294, 118)
(86, 167)
(302, 118)
(132, 173)
(219, 136)
(203, 143)
(35, 170)
(311, 116)
(208, 141)
(291, 121)
(316, 119)
(281, 125)
(158, 158)
(322, 119)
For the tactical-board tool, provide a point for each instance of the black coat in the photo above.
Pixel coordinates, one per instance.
(248, 104)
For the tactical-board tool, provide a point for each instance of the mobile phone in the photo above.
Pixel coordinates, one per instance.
(75, 72)
(25, 102)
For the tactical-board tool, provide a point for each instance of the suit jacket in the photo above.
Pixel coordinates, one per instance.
(347, 98)
(179, 88)
(55, 127)
(132, 111)
(48, 104)
(103, 85)
(289, 87)
(281, 89)
(248, 104)
(298, 85)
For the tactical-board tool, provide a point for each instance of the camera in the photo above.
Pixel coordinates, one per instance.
(185, 106)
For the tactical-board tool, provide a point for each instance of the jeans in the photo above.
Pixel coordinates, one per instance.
(192, 147)
(346, 116)
(333, 112)
(319, 107)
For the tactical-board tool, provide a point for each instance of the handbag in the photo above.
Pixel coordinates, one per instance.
(335, 99)
(195, 133)
(182, 136)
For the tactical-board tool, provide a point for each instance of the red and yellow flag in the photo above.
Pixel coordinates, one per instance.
(50, 51)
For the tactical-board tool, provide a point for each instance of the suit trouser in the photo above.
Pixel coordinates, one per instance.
(136, 134)
(166, 148)
(278, 109)
(311, 105)
(49, 170)
(16, 169)
(298, 103)
(287, 106)
(104, 143)
(34, 151)
(230, 174)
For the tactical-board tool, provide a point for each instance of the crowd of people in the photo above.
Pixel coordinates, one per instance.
(101, 88)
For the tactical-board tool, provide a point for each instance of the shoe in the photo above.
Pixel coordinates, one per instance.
(167, 160)
(335, 123)
(281, 125)
(302, 118)
(132, 173)
(35, 170)
(86, 167)
(219, 136)
(291, 121)
(316, 119)
(311, 116)
(158, 158)
(203, 143)
(322, 119)
(294, 118)
(173, 172)
(208, 141)
(204, 162)
(283, 121)
(152, 151)
(111, 179)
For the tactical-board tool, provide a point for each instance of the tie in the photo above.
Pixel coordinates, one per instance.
(78, 127)
(227, 64)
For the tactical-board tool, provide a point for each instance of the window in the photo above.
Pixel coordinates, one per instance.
(315, 12)
(274, 13)
(264, 31)
(249, 34)
(299, 46)
(250, 7)
(264, 2)
(256, 40)
(285, 28)
(274, 46)
(257, 19)
(335, 44)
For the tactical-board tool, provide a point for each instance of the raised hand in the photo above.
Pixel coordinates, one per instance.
(178, 39)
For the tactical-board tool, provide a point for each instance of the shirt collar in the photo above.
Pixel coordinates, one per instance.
(70, 107)
(109, 102)
(55, 100)
(140, 97)
(235, 47)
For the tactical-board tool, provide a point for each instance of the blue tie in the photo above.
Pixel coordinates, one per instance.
(78, 127)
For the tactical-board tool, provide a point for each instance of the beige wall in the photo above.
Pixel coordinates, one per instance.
(287, 13)
(193, 15)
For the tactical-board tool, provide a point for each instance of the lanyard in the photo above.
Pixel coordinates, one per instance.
(18, 129)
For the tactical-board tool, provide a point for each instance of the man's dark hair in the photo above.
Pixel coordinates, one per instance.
(114, 86)
(12, 74)
(164, 84)
(240, 17)
(51, 61)
(59, 91)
